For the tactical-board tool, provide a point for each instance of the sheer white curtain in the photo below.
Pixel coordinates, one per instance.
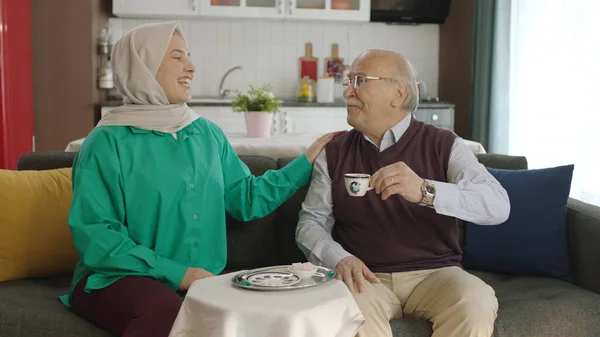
(554, 93)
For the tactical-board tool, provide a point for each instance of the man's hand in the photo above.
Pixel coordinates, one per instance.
(399, 179)
(352, 270)
(191, 275)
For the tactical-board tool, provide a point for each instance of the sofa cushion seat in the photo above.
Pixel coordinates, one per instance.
(540, 306)
(31, 308)
(530, 306)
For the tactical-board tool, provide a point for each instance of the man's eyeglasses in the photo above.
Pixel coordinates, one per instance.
(359, 80)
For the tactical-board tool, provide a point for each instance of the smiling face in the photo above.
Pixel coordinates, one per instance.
(176, 71)
(378, 103)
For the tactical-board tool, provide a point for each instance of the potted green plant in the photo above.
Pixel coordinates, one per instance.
(258, 105)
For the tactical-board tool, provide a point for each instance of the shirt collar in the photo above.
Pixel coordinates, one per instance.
(192, 128)
(138, 130)
(397, 130)
(400, 128)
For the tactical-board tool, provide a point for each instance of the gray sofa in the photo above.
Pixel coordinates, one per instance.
(529, 306)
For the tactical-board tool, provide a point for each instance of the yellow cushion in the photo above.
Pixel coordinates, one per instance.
(35, 240)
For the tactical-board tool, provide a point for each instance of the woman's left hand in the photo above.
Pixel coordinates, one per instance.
(318, 145)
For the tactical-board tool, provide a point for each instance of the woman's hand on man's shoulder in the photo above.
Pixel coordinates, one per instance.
(319, 144)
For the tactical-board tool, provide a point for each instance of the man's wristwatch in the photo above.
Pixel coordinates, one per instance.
(428, 191)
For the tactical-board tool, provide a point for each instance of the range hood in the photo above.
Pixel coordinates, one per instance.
(410, 11)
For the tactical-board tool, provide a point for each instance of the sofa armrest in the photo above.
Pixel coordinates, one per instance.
(583, 236)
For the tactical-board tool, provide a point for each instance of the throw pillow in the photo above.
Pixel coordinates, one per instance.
(35, 240)
(533, 240)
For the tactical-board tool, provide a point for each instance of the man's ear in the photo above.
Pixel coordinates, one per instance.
(401, 94)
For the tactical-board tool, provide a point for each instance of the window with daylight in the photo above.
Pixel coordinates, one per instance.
(554, 104)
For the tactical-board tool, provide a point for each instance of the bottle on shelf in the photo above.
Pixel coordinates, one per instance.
(307, 92)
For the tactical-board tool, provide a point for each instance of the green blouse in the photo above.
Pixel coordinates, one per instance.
(148, 204)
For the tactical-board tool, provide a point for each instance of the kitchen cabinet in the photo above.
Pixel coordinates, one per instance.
(157, 8)
(321, 120)
(336, 10)
(243, 8)
(230, 122)
(442, 117)
(330, 10)
(316, 119)
(288, 120)
(324, 10)
(312, 120)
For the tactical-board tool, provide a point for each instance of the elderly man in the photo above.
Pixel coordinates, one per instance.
(397, 247)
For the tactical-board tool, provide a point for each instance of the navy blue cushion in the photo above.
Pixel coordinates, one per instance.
(533, 240)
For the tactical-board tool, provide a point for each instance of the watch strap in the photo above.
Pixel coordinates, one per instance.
(428, 191)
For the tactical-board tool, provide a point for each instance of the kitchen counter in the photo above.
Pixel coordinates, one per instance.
(286, 103)
(279, 146)
(297, 117)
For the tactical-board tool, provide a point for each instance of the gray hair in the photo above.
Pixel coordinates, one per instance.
(406, 74)
(402, 72)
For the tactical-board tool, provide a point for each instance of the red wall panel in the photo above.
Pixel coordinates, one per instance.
(16, 93)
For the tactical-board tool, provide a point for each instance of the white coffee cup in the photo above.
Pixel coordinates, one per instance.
(357, 184)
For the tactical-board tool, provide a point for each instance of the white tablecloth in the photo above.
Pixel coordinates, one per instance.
(285, 145)
(213, 307)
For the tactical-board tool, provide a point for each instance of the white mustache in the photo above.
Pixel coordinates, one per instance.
(353, 102)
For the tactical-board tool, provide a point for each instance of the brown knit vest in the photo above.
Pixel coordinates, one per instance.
(393, 235)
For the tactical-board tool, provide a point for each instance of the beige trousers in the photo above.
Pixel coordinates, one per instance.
(458, 304)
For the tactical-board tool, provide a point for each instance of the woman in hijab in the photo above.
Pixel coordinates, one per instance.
(151, 186)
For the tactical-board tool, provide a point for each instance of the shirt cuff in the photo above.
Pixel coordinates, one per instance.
(169, 272)
(299, 170)
(333, 255)
(446, 196)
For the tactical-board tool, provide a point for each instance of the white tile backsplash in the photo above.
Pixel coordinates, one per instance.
(268, 51)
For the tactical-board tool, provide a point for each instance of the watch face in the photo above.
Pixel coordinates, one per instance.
(430, 188)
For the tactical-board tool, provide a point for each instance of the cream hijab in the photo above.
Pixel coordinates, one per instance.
(135, 60)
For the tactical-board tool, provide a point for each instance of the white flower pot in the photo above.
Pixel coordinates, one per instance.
(258, 124)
